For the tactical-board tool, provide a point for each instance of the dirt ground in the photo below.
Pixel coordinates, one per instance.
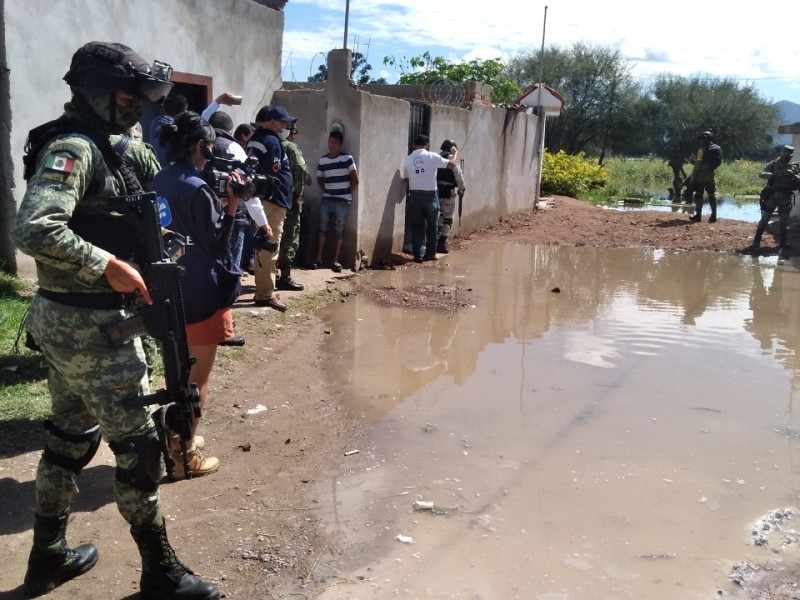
(277, 425)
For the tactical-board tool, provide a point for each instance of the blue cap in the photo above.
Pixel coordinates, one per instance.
(279, 113)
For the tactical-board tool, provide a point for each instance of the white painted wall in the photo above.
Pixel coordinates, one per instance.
(236, 42)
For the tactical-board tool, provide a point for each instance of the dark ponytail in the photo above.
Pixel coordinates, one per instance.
(179, 136)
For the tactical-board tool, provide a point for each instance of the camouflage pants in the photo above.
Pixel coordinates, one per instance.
(782, 202)
(705, 184)
(88, 380)
(290, 239)
(447, 207)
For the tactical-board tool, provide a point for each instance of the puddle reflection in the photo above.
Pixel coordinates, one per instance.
(616, 439)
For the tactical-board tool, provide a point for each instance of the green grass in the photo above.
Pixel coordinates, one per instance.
(24, 398)
(643, 178)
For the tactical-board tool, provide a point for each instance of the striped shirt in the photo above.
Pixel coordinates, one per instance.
(336, 173)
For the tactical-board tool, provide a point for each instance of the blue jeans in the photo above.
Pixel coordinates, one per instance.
(333, 212)
(423, 217)
(248, 252)
(237, 241)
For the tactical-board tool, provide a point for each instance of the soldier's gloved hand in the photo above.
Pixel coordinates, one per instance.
(126, 278)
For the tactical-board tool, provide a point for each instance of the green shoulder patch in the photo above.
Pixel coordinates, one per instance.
(60, 161)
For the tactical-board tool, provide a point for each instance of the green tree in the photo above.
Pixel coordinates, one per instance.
(425, 69)
(678, 108)
(360, 71)
(599, 90)
(607, 111)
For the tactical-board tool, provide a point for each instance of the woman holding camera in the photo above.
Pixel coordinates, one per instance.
(211, 282)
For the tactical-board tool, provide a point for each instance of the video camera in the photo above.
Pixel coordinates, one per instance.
(262, 242)
(219, 169)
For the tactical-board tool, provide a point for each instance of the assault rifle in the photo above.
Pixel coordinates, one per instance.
(164, 320)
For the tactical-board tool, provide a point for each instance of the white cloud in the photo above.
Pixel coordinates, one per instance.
(686, 37)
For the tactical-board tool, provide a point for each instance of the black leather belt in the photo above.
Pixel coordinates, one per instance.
(100, 301)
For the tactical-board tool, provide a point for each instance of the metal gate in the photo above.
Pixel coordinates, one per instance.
(419, 122)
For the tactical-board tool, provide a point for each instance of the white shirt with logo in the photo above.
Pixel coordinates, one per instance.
(419, 168)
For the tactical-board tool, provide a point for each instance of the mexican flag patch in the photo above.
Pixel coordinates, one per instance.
(62, 164)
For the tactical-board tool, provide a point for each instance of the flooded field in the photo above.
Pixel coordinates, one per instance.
(598, 424)
(741, 209)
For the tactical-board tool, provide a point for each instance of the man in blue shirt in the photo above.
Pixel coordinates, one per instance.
(265, 145)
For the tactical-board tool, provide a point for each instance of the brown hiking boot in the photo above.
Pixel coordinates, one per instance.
(198, 464)
(198, 442)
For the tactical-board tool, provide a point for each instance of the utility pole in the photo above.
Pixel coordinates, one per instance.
(540, 121)
(346, 20)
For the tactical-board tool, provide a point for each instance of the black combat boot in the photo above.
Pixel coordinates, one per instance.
(713, 217)
(51, 561)
(698, 209)
(783, 238)
(757, 237)
(285, 281)
(441, 246)
(164, 577)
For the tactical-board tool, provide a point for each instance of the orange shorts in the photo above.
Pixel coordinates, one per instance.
(215, 329)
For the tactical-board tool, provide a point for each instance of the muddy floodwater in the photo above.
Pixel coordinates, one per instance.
(597, 424)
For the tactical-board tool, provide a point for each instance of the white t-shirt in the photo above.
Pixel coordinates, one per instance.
(419, 168)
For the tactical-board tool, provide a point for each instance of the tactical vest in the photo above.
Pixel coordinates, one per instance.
(116, 235)
(445, 180)
(786, 178)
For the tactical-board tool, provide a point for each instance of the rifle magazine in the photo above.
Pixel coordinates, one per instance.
(123, 332)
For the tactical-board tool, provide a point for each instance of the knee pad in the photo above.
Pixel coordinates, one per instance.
(149, 468)
(75, 465)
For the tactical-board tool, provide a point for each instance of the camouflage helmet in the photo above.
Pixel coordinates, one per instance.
(100, 67)
(447, 145)
(787, 150)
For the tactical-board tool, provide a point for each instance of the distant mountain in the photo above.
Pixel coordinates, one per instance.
(789, 112)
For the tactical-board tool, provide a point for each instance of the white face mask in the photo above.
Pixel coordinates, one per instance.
(285, 133)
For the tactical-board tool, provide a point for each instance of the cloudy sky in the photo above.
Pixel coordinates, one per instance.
(746, 41)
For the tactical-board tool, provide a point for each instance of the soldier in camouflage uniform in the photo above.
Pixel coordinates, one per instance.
(448, 182)
(783, 179)
(83, 254)
(702, 180)
(290, 240)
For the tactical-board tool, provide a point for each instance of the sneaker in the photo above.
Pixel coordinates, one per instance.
(236, 340)
(431, 257)
(712, 219)
(198, 465)
(695, 218)
(336, 267)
